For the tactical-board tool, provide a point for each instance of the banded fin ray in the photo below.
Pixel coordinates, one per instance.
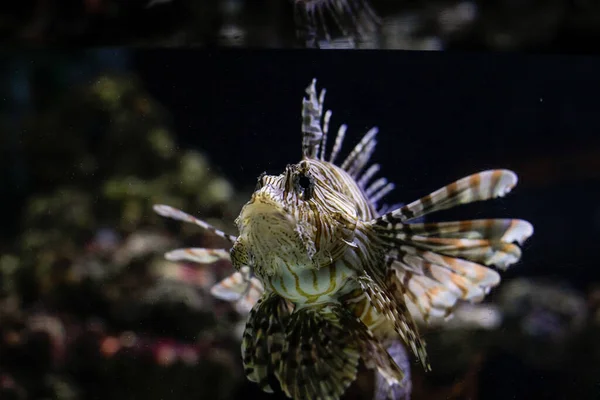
(435, 264)
(423, 262)
(325, 128)
(173, 213)
(374, 353)
(263, 340)
(312, 111)
(395, 310)
(337, 146)
(384, 208)
(504, 230)
(369, 173)
(477, 187)
(314, 140)
(321, 358)
(198, 255)
(361, 153)
(485, 241)
(375, 186)
(486, 252)
(482, 241)
(360, 163)
(241, 288)
(384, 191)
(429, 296)
(323, 346)
(437, 270)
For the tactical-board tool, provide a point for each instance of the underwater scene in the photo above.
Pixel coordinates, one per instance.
(196, 224)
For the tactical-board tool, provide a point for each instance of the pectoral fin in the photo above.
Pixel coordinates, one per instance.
(263, 340)
(320, 359)
(321, 353)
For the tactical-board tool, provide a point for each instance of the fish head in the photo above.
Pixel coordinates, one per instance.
(293, 219)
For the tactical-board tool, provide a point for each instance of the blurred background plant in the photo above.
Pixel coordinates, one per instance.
(90, 309)
(560, 25)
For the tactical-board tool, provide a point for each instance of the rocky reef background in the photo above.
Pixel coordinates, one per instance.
(555, 25)
(89, 308)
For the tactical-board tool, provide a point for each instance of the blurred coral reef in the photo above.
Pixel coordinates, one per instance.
(87, 298)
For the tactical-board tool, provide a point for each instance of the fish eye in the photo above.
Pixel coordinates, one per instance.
(306, 184)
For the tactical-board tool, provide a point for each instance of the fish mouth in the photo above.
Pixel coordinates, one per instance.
(266, 214)
(269, 236)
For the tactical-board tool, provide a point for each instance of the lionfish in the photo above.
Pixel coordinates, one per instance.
(330, 275)
(351, 18)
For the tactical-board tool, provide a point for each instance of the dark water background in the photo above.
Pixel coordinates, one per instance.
(441, 117)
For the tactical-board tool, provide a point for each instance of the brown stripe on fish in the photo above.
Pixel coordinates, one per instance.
(320, 233)
(495, 182)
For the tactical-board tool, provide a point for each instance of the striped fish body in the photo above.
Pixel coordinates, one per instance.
(305, 287)
(306, 251)
(330, 277)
